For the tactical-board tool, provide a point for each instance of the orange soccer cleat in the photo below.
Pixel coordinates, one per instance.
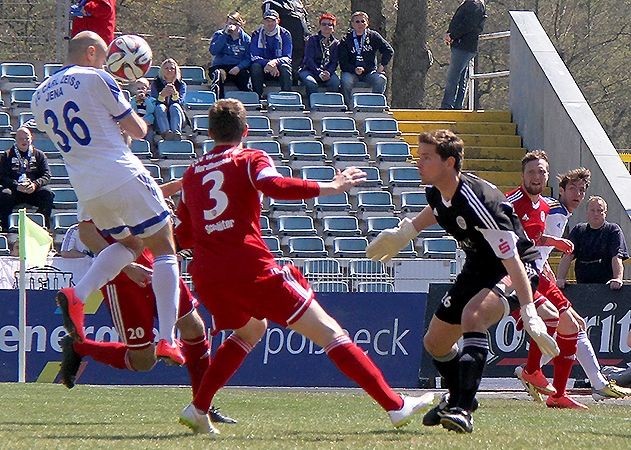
(564, 402)
(170, 353)
(71, 308)
(539, 381)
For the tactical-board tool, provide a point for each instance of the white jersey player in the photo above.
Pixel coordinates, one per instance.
(83, 111)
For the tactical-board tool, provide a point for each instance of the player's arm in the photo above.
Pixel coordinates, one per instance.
(562, 245)
(183, 227)
(171, 187)
(133, 125)
(564, 267)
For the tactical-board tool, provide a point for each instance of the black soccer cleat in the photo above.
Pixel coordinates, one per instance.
(458, 420)
(217, 417)
(70, 362)
(433, 416)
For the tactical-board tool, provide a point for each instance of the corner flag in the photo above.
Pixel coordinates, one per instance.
(35, 242)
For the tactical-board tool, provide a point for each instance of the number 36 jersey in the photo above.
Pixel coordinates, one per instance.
(78, 108)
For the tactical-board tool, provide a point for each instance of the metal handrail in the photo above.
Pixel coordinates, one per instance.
(477, 76)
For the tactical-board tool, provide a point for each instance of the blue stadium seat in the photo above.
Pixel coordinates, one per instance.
(47, 146)
(329, 286)
(284, 101)
(350, 151)
(193, 75)
(366, 268)
(26, 119)
(284, 171)
(14, 219)
(339, 226)
(306, 151)
(315, 268)
(375, 201)
(4, 246)
(258, 126)
(249, 99)
(154, 171)
(266, 230)
(17, 73)
(207, 145)
(61, 221)
(296, 126)
(176, 149)
(269, 146)
(373, 179)
(433, 231)
(375, 225)
(331, 203)
(21, 97)
(5, 123)
(306, 247)
(408, 251)
(339, 127)
(273, 244)
(199, 99)
(367, 102)
(439, 248)
(152, 73)
(393, 151)
(317, 173)
(296, 226)
(327, 102)
(6, 143)
(177, 171)
(413, 201)
(284, 261)
(375, 286)
(58, 173)
(276, 205)
(407, 176)
(381, 128)
(51, 69)
(141, 148)
(349, 247)
(65, 198)
(200, 124)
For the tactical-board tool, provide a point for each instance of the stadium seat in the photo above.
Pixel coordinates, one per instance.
(176, 149)
(6, 143)
(329, 286)
(407, 176)
(51, 69)
(296, 226)
(393, 151)
(193, 75)
(340, 226)
(306, 247)
(5, 123)
(273, 244)
(17, 73)
(199, 99)
(258, 126)
(154, 171)
(284, 101)
(26, 119)
(306, 151)
(408, 251)
(47, 146)
(296, 126)
(276, 205)
(207, 145)
(58, 173)
(366, 269)
(413, 201)
(331, 203)
(439, 248)
(339, 127)
(65, 198)
(141, 148)
(284, 171)
(367, 102)
(200, 124)
(433, 231)
(317, 173)
(61, 221)
(349, 247)
(21, 97)
(375, 286)
(177, 171)
(250, 100)
(375, 201)
(152, 73)
(375, 225)
(266, 230)
(14, 219)
(373, 179)
(381, 128)
(284, 261)
(269, 146)
(327, 102)
(350, 151)
(321, 267)
(4, 246)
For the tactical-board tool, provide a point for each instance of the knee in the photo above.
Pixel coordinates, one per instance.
(253, 332)
(142, 360)
(191, 326)
(547, 311)
(568, 324)
(435, 345)
(348, 80)
(256, 70)
(161, 108)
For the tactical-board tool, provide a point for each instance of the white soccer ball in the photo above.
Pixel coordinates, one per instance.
(128, 57)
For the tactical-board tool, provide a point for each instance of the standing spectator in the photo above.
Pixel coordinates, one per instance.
(358, 57)
(169, 90)
(230, 50)
(271, 53)
(599, 249)
(293, 16)
(462, 36)
(321, 59)
(94, 15)
(144, 105)
(24, 176)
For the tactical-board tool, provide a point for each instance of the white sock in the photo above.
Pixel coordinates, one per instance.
(166, 287)
(104, 267)
(587, 358)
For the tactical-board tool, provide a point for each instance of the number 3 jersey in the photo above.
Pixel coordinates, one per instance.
(78, 108)
(220, 208)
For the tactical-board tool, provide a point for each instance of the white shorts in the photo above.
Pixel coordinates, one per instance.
(135, 208)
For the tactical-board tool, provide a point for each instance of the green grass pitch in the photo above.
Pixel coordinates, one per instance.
(48, 416)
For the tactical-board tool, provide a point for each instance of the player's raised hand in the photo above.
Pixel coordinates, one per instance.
(536, 328)
(390, 241)
(343, 181)
(138, 273)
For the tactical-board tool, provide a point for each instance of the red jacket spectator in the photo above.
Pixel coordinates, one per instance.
(98, 16)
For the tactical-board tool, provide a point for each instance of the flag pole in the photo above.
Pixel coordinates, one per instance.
(22, 298)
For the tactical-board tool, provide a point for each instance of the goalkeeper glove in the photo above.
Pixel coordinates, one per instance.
(535, 327)
(389, 242)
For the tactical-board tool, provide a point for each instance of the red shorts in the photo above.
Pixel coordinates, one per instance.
(133, 310)
(547, 290)
(281, 296)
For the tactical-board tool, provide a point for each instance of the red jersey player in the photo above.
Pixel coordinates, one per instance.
(552, 305)
(236, 276)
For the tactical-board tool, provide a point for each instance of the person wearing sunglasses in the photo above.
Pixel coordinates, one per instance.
(321, 59)
(358, 57)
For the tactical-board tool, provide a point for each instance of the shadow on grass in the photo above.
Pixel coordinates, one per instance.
(127, 437)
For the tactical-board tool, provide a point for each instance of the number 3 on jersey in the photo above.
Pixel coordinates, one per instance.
(71, 125)
(215, 193)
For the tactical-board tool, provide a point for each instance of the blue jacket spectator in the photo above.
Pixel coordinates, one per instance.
(169, 90)
(143, 104)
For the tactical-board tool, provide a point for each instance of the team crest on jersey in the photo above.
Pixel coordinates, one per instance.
(524, 218)
(461, 222)
(543, 216)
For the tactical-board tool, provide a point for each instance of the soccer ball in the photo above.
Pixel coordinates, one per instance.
(128, 57)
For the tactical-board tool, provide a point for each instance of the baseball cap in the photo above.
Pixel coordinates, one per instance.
(271, 14)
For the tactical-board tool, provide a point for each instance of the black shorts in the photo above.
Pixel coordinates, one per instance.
(469, 283)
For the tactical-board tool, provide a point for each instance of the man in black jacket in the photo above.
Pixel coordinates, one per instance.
(462, 36)
(24, 174)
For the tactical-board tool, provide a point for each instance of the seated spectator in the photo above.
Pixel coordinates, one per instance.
(358, 57)
(144, 105)
(270, 49)
(24, 176)
(169, 90)
(599, 249)
(230, 50)
(321, 59)
(71, 245)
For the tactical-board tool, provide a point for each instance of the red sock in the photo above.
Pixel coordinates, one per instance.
(533, 363)
(563, 363)
(354, 363)
(110, 353)
(197, 354)
(227, 360)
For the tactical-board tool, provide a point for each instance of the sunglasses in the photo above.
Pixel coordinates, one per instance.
(326, 24)
(359, 21)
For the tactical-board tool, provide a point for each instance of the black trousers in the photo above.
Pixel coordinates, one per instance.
(241, 80)
(42, 199)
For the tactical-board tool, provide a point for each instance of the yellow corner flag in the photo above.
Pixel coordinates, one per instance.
(35, 242)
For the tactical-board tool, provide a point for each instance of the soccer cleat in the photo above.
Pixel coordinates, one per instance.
(532, 391)
(70, 362)
(564, 402)
(458, 420)
(197, 421)
(611, 390)
(411, 406)
(216, 416)
(539, 381)
(433, 416)
(171, 354)
(71, 308)
(622, 377)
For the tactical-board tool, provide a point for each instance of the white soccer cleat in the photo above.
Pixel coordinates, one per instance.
(197, 421)
(411, 406)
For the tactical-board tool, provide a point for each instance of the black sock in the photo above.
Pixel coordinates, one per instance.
(449, 370)
(474, 351)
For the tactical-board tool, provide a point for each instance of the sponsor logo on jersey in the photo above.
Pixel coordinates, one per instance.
(543, 216)
(461, 222)
(524, 218)
(504, 246)
(219, 226)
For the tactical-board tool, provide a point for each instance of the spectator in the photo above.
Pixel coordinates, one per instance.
(230, 50)
(144, 105)
(24, 176)
(169, 90)
(462, 36)
(271, 53)
(321, 59)
(358, 57)
(94, 15)
(72, 246)
(293, 16)
(599, 249)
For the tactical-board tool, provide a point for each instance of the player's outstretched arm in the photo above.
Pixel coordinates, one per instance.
(133, 125)
(343, 181)
(562, 245)
(564, 267)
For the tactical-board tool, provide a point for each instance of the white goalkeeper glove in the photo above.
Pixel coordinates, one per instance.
(390, 241)
(535, 327)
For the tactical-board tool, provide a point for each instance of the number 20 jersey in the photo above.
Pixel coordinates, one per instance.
(78, 108)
